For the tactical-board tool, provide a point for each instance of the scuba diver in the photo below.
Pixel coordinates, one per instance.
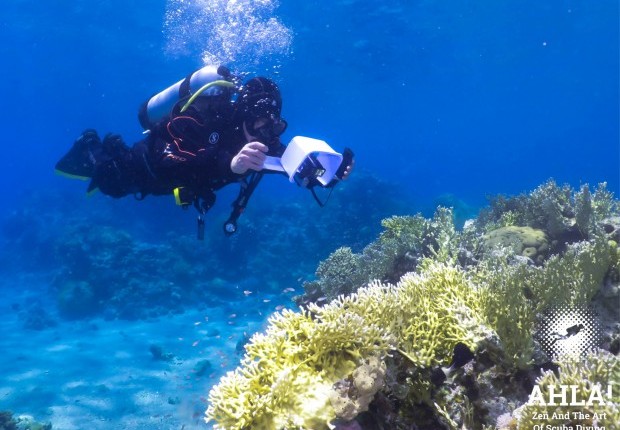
(202, 133)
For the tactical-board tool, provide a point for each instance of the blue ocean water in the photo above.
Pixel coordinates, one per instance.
(447, 97)
(452, 100)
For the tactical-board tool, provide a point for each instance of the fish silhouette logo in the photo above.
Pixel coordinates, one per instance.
(569, 330)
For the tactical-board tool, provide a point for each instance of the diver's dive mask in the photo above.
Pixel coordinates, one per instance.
(269, 129)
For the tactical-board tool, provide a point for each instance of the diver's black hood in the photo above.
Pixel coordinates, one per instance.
(258, 98)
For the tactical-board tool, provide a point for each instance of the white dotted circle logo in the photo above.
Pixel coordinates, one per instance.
(569, 330)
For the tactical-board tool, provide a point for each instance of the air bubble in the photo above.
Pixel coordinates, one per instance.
(245, 33)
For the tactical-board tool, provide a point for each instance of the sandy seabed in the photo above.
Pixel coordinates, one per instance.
(100, 374)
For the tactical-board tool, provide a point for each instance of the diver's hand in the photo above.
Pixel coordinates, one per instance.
(348, 170)
(251, 157)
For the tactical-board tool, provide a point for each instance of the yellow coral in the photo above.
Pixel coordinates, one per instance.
(292, 376)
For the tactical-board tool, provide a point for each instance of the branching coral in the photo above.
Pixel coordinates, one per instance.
(325, 364)
(405, 241)
(557, 210)
(290, 373)
(514, 293)
(340, 273)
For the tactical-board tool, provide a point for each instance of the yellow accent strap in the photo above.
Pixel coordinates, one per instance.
(70, 176)
(204, 88)
(177, 196)
(92, 192)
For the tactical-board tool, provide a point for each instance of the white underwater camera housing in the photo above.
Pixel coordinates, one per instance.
(306, 161)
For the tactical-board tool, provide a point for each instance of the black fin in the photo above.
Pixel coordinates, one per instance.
(79, 162)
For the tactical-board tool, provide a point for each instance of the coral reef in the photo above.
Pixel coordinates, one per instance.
(403, 243)
(515, 293)
(9, 422)
(564, 214)
(377, 339)
(338, 349)
(524, 241)
(483, 289)
(6, 421)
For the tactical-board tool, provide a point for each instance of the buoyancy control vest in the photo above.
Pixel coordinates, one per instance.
(211, 81)
(214, 84)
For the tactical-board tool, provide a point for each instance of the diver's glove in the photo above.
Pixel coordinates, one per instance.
(347, 160)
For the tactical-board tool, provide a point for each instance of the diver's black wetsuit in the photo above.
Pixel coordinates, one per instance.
(193, 150)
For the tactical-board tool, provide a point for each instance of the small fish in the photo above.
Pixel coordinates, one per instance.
(197, 323)
(232, 316)
(279, 307)
(288, 290)
(247, 292)
(266, 300)
(196, 343)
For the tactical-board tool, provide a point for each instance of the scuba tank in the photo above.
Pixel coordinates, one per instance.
(211, 80)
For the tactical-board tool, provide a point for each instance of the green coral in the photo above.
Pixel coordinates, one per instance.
(340, 273)
(507, 308)
(513, 292)
(404, 242)
(292, 375)
(440, 308)
(558, 210)
(596, 371)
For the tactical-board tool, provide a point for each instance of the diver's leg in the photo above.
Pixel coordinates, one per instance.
(113, 167)
(120, 171)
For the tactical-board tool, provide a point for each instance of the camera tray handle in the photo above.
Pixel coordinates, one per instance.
(274, 164)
